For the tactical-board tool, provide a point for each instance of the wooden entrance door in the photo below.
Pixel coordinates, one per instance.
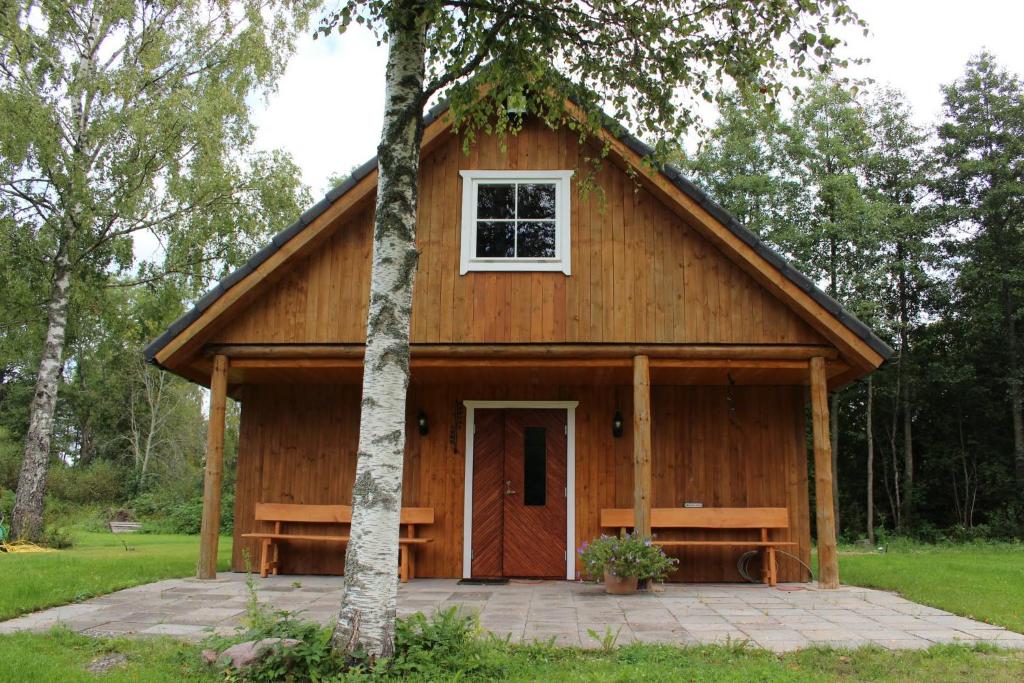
(519, 493)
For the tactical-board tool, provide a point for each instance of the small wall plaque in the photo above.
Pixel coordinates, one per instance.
(689, 504)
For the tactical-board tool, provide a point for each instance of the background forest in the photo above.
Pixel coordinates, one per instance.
(918, 231)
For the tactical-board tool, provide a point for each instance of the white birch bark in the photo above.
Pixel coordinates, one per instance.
(27, 516)
(367, 617)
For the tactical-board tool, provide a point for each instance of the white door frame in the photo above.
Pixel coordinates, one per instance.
(570, 478)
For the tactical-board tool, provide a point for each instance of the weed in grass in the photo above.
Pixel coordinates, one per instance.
(606, 640)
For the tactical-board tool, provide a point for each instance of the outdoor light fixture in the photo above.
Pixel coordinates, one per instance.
(617, 424)
(421, 422)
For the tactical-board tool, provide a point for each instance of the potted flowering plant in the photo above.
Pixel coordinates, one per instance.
(624, 560)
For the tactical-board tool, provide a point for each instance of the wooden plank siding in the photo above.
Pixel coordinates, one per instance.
(722, 446)
(640, 274)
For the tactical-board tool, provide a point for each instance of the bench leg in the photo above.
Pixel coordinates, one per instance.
(277, 557)
(403, 563)
(264, 546)
(773, 567)
(765, 571)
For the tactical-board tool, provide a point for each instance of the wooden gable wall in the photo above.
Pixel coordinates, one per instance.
(639, 272)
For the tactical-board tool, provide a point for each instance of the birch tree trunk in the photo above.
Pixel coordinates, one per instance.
(27, 516)
(367, 618)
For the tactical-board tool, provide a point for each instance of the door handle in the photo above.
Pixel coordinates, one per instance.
(508, 488)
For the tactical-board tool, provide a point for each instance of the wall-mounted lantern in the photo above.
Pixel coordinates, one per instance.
(421, 422)
(617, 424)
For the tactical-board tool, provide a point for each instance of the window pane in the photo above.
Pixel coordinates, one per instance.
(534, 466)
(494, 240)
(536, 239)
(496, 201)
(537, 200)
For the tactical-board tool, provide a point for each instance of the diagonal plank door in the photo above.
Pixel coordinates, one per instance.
(488, 492)
(533, 538)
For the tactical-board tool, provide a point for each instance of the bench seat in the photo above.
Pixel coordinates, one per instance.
(757, 544)
(337, 539)
(763, 519)
(282, 513)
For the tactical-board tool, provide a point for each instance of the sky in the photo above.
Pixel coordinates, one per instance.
(328, 106)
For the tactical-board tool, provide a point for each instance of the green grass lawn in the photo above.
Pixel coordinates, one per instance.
(63, 657)
(98, 563)
(980, 581)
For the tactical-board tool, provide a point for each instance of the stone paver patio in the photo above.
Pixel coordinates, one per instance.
(780, 619)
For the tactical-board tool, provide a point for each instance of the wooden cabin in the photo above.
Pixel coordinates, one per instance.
(572, 351)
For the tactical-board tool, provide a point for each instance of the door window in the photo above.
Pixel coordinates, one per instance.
(535, 473)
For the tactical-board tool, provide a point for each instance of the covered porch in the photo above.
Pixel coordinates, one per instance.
(710, 425)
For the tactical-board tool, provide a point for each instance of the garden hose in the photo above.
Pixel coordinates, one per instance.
(22, 547)
(742, 565)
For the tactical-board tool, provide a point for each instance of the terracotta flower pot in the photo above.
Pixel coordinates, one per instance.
(619, 585)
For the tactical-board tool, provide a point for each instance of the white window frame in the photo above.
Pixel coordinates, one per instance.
(471, 182)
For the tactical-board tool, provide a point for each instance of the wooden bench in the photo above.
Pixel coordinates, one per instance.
(764, 519)
(285, 513)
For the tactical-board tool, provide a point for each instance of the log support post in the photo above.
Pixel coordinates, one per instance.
(210, 531)
(828, 561)
(642, 445)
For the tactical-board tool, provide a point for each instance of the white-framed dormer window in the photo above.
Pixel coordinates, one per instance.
(515, 220)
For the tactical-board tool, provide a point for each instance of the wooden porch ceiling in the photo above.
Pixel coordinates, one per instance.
(604, 364)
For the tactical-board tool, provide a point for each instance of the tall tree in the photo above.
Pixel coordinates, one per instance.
(896, 175)
(636, 55)
(981, 184)
(744, 163)
(829, 144)
(124, 117)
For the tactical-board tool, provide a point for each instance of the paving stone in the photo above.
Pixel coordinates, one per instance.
(762, 634)
(174, 630)
(777, 619)
(718, 637)
(782, 645)
(649, 615)
(943, 635)
(903, 643)
(675, 636)
(117, 628)
(701, 619)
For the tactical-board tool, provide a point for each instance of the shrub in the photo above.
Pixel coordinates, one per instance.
(57, 537)
(183, 517)
(310, 660)
(629, 555)
(445, 646)
(1007, 523)
(64, 514)
(99, 482)
(10, 461)
(6, 508)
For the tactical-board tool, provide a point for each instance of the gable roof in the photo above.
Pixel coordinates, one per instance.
(628, 145)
